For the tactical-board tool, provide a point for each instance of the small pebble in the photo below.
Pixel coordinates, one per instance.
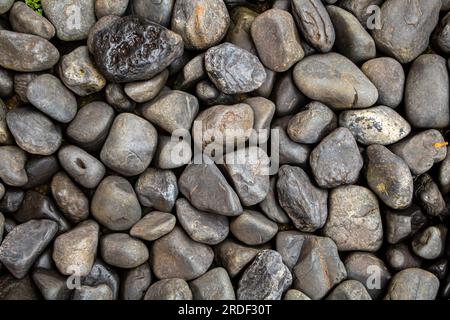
(122, 251)
(169, 289)
(153, 226)
(253, 228)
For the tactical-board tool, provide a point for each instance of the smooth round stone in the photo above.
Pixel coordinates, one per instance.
(130, 145)
(303, 202)
(314, 23)
(213, 285)
(428, 196)
(334, 80)
(33, 131)
(287, 98)
(266, 88)
(21, 81)
(413, 284)
(234, 70)
(183, 110)
(115, 205)
(177, 256)
(12, 200)
(157, 189)
(158, 11)
(422, 150)
(133, 49)
(270, 205)
(5, 5)
(253, 228)
(360, 9)
(203, 227)
(239, 32)
(135, 282)
(441, 36)
(234, 256)
(403, 223)
(336, 160)
(221, 125)
(267, 278)
(120, 250)
(45, 261)
(319, 268)
(74, 251)
(293, 294)
(406, 28)
(248, 170)
(101, 273)
(91, 125)
(400, 257)
(192, 72)
(278, 28)
(201, 23)
(71, 18)
(444, 174)
(5, 136)
(24, 244)
(51, 284)
(389, 177)
(388, 76)
(107, 7)
(40, 170)
(199, 181)
(263, 112)
(69, 198)
(349, 290)
(169, 289)
(376, 125)
(39, 54)
(207, 92)
(6, 83)
(115, 96)
(79, 74)
(143, 91)
(354, 220)
(81, 166)
(428, 243)
(49, 95)
(352, 40)
(312, 124)
(14, 289)
(153, 226)
(172, 153)
(12, 166)
(427, 93)
(368, 270)
(26, 20)
(97, 293)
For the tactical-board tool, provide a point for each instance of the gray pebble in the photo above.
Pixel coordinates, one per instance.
(270, 205)
(5, 5)
(14, 289)
(157, 11)
(213, 285)
(100, 292)
(12, 166)
(6, 83)
(135, 282)
(444, 174)
(401, 224)
(144, 91)
(400, 257)
(153, 226)
(172, 153)
(441, 36)
(51, 284)
(289, 245)
(11, 201)
(101, 273)
(263, 112)
(360, 8)
(428, 196)
(234, 256)
(293, 294)
(107, 7)
(169, 289)
(253, 228)
(40, 170)
(349, 290)
(428, 243)
(192, 72)
(120, 250)
(115, 96)
(26, 20)
(287, 98)
(21, 81)
(413, 284)
(239, 32)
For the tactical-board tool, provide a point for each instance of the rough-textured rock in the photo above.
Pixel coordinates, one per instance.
(289, 245)
(101, 273)
(213, 285)
(413, 284)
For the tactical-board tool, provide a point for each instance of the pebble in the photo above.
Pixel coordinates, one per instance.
(12, 166)
(172, 153)
(144, 91)
(239, 32)
(401, 224)
(203, 227)
(304, 203)
(253, 228)
(175, 255)
(421, 150)
(312, 124)
(81, 166)
(169, 289)
(51, 284)
(388, 76)
(213, 285)
(100, 292)
(2, 225)
(201, 23)
(263, 112)
(5, 5)
(319, 268)
(136, 282)
(428, 243)
(133, 49)
(444, 174)
(336, 160)
(287, 98)
(130, 145)
(157, 11)
(91, 125)
(69, 198)
(413, 284)
(6, 83)
(33, 131)
(360, 8)
(234, 256)
(153, 226)
(40, 170)
(23, 245)
(72, 18)
(389, 177)
(314, 23)
(115, 205)
(79, 74)
(427, 93)
(349, 290)
(293, 294)
(278, 28)
(116, 97)
(234, 70)
(440, 35)
(376, 125)
(270, 205)
(207, 92)
(21, 81)
(26, 20)
(354, 220)
(17, 289)
(400, 257)
(428, 196)
(191, 73)
(74, 251)
(267, 278)
(406, 28)
(106, 7)
(289, 245)
(199, 181)
(101, 273)
(12, 200)
(122, 251)
(39, 53)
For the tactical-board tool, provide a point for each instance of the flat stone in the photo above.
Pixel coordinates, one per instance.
(120, 250)
(40, 170)
(153, 226)
(169, 289)
(213, 285)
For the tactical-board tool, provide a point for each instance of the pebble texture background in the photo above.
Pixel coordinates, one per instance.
(94, 205)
